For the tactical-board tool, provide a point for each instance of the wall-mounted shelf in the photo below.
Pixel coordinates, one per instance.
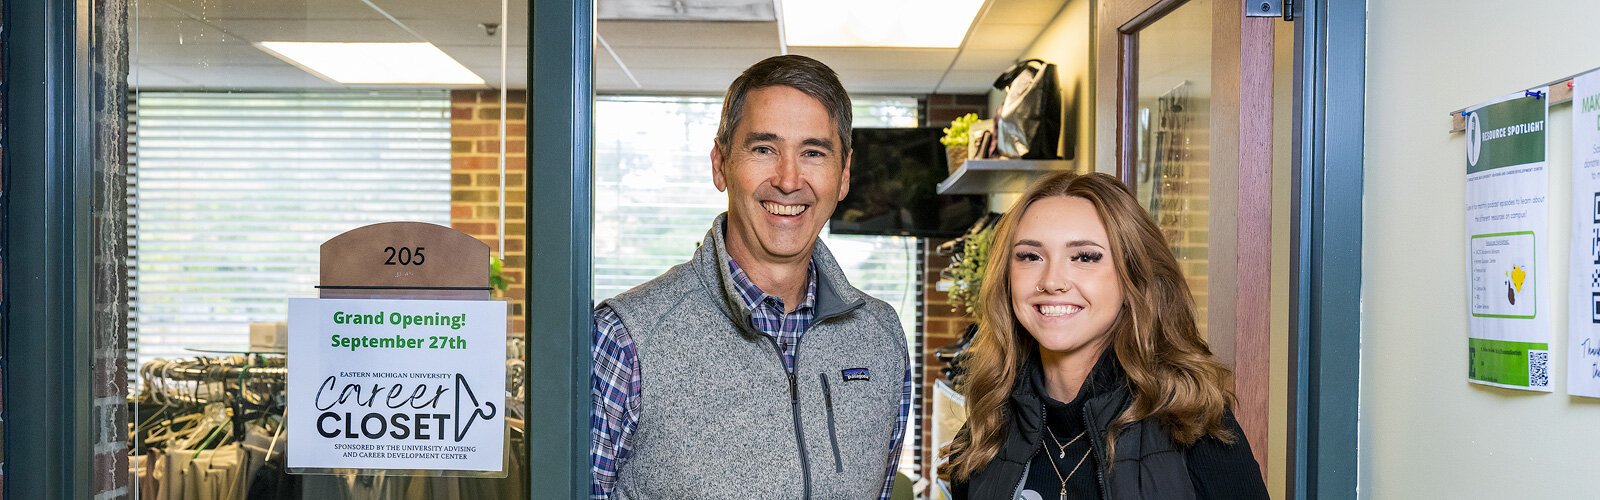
(999, 176)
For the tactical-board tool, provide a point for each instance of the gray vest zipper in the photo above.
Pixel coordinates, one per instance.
(833, 435)
(794, 406)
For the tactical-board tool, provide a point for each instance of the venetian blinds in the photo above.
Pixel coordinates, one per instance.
(231, 195)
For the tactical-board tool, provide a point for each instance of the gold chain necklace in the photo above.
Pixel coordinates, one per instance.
(1063, 447)
(1064, 455)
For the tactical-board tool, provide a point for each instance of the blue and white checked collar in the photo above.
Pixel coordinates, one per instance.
(753, 296)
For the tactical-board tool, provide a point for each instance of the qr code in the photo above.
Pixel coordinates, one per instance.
(1538, 368)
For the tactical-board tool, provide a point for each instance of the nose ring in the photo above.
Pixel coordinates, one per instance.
(1040, 289)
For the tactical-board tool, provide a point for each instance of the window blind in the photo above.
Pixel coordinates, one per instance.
(231, 195)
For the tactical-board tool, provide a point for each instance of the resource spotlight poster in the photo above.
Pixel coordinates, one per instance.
(1507, 219)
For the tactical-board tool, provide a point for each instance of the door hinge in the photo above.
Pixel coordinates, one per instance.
(1269, 8)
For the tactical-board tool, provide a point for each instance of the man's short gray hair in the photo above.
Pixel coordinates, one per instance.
(801, 73)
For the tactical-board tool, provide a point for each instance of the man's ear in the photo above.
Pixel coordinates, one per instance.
(844, 179)
(716, 168)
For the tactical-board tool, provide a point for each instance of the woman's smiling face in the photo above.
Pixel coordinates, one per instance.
(1064, 285)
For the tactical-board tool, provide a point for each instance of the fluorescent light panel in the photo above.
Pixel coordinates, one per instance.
(374, 63)
(938, 24)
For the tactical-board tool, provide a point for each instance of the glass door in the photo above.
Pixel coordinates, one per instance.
(1186, 101)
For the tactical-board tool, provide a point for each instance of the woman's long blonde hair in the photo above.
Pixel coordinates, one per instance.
(1170, 370)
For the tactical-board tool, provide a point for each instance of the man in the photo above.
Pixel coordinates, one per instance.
(755, 370)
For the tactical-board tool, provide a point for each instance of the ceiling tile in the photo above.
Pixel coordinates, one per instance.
(516, 55)
(989, 36)
(260, 9)
(240, 77)
(675, 35)
(986, 60)
(879, 58)
(464, 32)
(202, 55)
(315, 30)
(686, 10)
(179, 33)
(475, 11)
(968, 82)
(688, 59)
(1039, 12)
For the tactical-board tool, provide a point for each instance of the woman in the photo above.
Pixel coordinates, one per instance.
(1088, 377)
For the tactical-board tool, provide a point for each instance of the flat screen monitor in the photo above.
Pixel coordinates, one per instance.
(893, 182)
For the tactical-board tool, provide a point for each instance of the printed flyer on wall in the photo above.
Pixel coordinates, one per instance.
(1583, 297)
(1507, 182)
(397, 384)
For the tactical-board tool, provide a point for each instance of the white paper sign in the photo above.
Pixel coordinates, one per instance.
(397, 384)
(1508, 243)
(1583, 342)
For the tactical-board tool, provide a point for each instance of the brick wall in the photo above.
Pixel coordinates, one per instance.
(109, 326)
(941, 108)
(942, 325)
(1184, 209)
(475, 181)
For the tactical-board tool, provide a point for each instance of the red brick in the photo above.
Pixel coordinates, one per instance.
(482, 229)
(513, 145)
(472, 163)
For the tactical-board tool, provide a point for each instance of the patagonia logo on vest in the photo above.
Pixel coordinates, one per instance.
(862, 374)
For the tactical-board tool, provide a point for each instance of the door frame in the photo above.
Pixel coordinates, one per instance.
(47, 248)
(1240, 127)
(1325, 277)
(561, 91)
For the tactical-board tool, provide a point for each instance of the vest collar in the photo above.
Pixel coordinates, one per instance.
(835, 296)
(1103, 390)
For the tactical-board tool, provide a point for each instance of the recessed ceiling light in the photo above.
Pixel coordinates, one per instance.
(374, 63)
(878, 23)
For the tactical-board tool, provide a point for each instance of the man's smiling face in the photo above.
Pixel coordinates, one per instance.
(784, 174)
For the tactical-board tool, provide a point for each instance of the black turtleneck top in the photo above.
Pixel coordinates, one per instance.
(1217, 469)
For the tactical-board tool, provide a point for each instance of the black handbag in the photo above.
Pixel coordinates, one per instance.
(1028, 124)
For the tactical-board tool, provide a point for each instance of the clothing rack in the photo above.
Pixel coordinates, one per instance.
(203, 380)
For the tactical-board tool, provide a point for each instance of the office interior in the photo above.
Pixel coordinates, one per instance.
(246, 133)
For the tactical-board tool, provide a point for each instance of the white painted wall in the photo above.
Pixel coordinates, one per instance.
(1065, 42)
(1426, 432)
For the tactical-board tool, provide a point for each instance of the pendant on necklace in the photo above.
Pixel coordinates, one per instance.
(1063, 491)
(1063, 453)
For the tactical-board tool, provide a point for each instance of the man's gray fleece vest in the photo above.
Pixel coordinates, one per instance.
(719, 416)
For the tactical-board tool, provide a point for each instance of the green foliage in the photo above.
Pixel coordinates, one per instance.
(956, 134)
(497, 279)
(966, 272)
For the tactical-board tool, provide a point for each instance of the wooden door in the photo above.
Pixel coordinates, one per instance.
(1184, 115)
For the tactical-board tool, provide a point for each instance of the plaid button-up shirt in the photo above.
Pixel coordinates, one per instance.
(615, 386)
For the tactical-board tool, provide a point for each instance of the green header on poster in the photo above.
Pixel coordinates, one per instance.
(1506, 133)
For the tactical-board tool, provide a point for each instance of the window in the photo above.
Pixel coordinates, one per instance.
(230, 195)
(654, 201)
